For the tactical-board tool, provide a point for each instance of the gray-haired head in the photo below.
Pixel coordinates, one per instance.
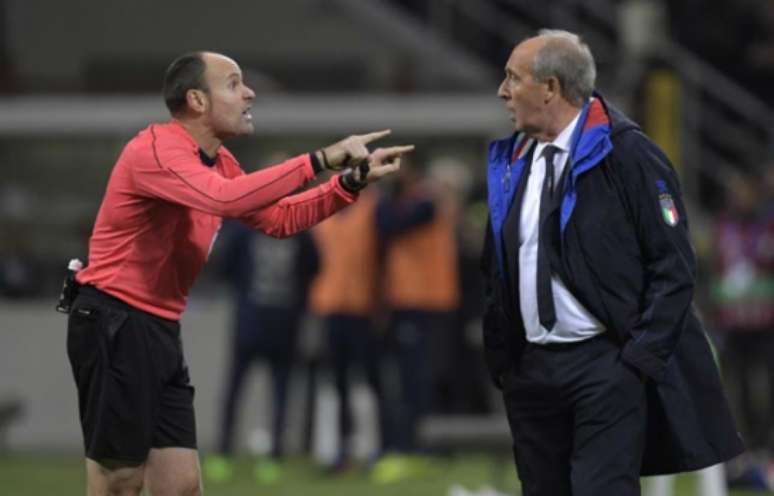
(568, 58)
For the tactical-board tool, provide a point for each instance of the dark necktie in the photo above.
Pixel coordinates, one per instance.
(545, 296)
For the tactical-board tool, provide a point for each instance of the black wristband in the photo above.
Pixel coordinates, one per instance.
(316, 165)
(350, 184)
(325, 164)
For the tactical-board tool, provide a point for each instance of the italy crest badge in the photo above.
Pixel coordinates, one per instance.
(668, 208)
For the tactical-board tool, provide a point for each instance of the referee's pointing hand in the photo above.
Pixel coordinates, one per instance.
(349, 152)
(385, 161)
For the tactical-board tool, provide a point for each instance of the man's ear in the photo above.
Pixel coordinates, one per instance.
(197, 100)
(553, 88)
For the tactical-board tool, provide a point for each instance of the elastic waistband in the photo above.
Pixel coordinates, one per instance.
(93, 292)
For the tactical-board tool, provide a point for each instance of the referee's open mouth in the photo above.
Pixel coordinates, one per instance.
(247, 114)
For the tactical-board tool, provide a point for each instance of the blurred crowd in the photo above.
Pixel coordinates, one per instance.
(394, 283)
(740, 303)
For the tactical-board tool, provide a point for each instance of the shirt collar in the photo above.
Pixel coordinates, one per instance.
(203, 157)
(562, 140)
(206, 159)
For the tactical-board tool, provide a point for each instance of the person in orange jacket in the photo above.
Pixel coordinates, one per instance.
(416, 223)
(344, 294)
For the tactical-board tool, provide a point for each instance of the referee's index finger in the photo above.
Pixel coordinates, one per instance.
(397, 150)
(367, 138)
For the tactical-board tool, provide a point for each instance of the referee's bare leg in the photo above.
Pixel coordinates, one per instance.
(166, 472)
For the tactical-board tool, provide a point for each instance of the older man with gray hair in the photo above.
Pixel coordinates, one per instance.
(606, 372)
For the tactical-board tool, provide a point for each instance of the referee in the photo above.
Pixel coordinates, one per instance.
(168, 192)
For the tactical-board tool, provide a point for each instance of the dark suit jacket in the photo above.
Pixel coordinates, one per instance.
(622, 248)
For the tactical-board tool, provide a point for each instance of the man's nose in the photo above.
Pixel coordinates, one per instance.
(501, 91)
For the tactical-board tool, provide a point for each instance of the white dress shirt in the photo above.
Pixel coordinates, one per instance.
(573, 322)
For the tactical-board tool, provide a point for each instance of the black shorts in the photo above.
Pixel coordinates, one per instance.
(134, 392)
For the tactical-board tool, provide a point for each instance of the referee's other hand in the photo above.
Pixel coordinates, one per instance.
(349, 152)
(384, 161)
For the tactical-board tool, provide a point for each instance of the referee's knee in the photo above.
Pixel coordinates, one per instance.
(191, 486)
(125, 488)
(187, 481)
(110, 478)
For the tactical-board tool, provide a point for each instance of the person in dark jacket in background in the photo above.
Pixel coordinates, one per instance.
(270, 279)
(606, 371)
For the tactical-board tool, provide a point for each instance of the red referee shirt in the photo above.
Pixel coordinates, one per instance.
(163, 207)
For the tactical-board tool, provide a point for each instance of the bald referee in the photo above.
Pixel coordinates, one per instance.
(168, 192)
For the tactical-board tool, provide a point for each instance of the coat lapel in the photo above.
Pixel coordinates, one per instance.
(506, 164)
(590, 144)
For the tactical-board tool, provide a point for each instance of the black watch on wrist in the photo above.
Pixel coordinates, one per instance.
(349, 183)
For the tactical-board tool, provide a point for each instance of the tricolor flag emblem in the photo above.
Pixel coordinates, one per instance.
(668, 209)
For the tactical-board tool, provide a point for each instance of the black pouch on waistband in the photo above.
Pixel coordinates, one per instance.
(69, 292)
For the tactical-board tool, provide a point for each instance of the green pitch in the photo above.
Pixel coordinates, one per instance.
(63, 475)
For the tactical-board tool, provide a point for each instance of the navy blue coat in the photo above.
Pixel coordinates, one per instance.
(622, 247)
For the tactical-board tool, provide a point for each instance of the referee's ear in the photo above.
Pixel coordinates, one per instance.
(197, 100)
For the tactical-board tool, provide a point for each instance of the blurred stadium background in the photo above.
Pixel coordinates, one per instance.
(79, 78)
